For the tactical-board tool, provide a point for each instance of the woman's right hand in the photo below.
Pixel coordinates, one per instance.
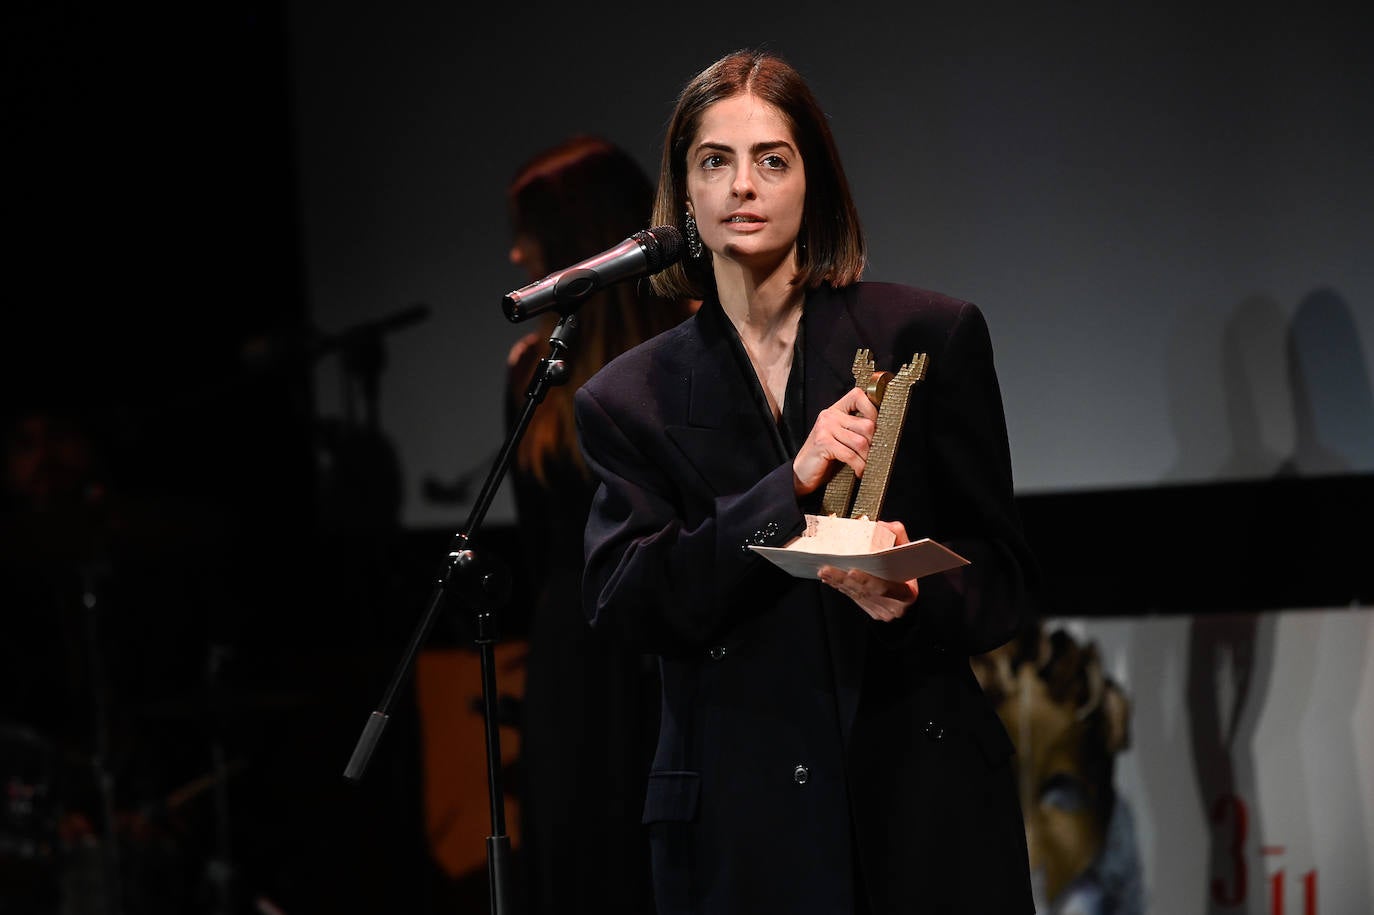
(842, 435)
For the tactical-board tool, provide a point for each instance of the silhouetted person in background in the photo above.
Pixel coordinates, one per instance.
(590, 706)
(88, 653)
(47, 514)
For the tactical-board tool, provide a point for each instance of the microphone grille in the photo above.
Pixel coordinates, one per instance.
(666, 248)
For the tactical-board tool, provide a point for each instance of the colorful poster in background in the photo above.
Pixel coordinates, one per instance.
(1217, 763)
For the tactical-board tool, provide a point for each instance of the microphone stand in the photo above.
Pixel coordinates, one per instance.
(482, 585)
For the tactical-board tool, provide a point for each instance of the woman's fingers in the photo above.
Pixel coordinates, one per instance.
(842, 434)
(898, 531)
(881, 599)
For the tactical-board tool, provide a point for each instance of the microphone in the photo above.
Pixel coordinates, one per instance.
(643, 253)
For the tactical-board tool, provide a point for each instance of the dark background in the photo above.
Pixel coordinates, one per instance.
(153, 299)
(252, 572)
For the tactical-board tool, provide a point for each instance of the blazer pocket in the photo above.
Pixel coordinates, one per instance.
(672, 797)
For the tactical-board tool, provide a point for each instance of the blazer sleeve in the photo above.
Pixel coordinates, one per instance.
(672, 569)
(980, 606)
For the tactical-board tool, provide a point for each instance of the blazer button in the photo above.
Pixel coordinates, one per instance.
(934, 731)
(716, 652)
(801, 775)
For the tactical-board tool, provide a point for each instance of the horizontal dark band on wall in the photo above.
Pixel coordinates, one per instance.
(1262, 545)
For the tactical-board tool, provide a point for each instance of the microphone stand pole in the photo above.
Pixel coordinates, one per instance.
(483, 584)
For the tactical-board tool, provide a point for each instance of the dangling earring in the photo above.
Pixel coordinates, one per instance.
(693, 239)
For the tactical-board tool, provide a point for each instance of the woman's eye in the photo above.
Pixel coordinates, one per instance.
(715, 160)
(774, 162)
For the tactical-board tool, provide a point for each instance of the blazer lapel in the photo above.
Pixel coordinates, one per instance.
(723, 438)
(832, 338)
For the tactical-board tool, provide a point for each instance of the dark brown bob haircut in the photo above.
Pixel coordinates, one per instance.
(831, 246)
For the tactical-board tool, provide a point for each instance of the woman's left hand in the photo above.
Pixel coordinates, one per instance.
(881, 599)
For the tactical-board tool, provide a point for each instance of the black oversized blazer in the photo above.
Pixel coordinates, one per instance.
(799, 736)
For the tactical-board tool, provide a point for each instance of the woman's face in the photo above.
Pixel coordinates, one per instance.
(746, 184)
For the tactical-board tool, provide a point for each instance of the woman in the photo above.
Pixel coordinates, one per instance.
(590, 702)
(824, 746)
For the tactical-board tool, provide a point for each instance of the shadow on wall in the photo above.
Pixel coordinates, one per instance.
(1295, 395)
(1280, 796)
(1333, 401)
(1230, 658)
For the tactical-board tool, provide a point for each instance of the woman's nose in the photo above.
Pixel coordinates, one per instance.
(743, 185)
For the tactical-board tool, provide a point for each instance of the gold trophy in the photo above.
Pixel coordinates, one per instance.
(848, 533)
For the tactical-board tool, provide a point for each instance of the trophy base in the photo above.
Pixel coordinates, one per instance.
(842, 536)
(867, 546)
